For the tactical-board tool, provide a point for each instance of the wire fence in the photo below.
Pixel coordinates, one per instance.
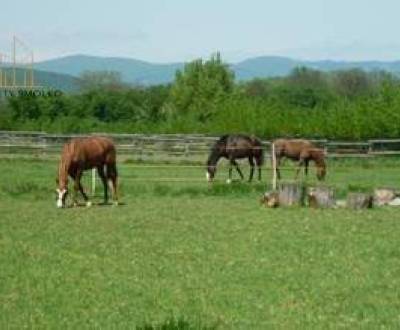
(175, 147)
(178, 158)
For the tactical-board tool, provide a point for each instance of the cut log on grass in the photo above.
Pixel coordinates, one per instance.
(291, 194)
(270, 199)
(321, 197)
(359, 201)
(384, 196)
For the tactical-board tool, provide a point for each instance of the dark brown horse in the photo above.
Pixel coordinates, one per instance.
(303, 152)
(82, 154)
(234, 147)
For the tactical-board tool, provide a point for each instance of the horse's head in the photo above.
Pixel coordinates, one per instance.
(211, 169)
(212, 162)
(321, 172)
(62, 192)
(319, 157)
(321, 168)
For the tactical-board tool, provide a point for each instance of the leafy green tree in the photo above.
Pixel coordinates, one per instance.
(307, 78)
(352, 83)
(201, 87)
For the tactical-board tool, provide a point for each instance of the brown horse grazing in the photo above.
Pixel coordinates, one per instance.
(233, 147)
(302, 151)
(82, 154)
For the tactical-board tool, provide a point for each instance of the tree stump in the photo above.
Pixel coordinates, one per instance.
(270, 199)
(359, 201)
(321, 197)
(291, 194)
(384, 196)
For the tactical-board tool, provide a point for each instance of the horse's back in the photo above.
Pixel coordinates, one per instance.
(91, 151)
(242, 145)
(292, 148)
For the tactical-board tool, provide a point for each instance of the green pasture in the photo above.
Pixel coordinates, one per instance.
(181, 251)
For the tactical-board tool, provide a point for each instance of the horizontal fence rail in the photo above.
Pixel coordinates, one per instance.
(173, 147)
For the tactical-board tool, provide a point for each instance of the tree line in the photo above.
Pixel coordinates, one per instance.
(205, 98)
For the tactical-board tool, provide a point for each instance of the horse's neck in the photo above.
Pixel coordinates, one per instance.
(63, 172)
(214, 157)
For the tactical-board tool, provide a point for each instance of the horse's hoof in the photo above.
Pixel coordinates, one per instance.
(229, 181)
(115, 203)
(88, 204)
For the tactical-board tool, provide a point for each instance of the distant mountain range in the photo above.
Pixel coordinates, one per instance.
(140, 72)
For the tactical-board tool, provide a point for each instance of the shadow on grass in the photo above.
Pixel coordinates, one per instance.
(17, 189)
(175, 324)
(215, 189)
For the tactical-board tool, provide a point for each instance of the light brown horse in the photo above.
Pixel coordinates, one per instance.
(82, 154)
(302, 151)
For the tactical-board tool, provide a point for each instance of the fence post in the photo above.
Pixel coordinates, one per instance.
(186, 152)
(93, 181)
(273, 167)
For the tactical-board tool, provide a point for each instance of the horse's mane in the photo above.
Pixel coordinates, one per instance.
(318, 155)
(216, 148)
(65, 162)
(223, 139)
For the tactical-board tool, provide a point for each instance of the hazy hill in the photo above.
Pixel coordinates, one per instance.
(141, 72)
(132, 71)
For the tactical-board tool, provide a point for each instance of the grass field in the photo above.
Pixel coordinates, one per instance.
(211, 256)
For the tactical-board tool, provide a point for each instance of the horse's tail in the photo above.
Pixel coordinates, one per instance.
(111, 161)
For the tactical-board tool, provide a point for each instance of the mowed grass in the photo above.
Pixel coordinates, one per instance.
(180, 249)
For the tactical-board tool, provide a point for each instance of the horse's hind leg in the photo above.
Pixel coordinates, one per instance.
(278, 171)
(306, 168)
(102, 175)
(112, 177)
(259, 163)
(251, 161)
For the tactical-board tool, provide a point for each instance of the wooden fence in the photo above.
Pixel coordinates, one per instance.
(171, 147)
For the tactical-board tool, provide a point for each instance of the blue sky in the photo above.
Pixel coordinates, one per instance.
(179, 30)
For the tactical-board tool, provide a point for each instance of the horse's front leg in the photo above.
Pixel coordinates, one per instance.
(84, 195)
(238, 169)
(299, 166)
(230, 173)
(78, 187)
(75, 194)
